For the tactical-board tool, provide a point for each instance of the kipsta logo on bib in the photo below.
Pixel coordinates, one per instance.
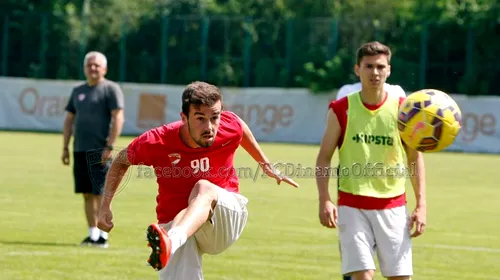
(373, 139)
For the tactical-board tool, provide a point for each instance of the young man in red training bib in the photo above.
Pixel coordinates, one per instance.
(200, 209)
(374, 165)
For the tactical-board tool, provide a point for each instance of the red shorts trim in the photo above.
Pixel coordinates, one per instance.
(370, 203)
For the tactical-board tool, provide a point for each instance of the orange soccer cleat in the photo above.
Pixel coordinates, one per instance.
(161, 246)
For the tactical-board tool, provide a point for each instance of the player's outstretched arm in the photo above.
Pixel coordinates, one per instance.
(250, 144)
(327, 210)
(115, 174)
(417, 177)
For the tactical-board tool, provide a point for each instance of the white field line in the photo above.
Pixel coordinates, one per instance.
(145, 251)
(459, 248)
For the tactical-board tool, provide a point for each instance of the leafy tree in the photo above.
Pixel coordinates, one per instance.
(281, 43)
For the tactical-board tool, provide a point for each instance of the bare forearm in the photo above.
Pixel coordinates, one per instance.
(116, 129)
(257, 154)
(113, 179)
(67, 132)
(249, 143)
(416, 164)
(322, 178)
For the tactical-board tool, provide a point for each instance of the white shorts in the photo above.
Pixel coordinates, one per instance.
(386, 232)
(215, 236)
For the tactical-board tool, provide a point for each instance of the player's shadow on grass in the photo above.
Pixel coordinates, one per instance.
(31, 243)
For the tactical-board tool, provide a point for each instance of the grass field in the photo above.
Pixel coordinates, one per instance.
(42, 221)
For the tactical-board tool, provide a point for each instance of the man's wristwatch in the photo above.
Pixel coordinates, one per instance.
(109, 147)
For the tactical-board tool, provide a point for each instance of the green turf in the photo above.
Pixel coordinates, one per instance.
(42, 221)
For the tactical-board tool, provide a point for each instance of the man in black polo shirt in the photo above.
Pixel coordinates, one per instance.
(95, 118)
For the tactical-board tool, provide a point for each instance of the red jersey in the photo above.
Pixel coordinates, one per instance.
(178, 167)
(340, 107)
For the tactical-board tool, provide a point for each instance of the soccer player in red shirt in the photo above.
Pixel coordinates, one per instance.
(372, 216)
(199, 207)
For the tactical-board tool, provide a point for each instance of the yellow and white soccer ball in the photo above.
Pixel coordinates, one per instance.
(429, 120)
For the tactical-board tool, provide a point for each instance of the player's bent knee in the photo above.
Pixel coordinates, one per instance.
(204, 188)
(363, 275)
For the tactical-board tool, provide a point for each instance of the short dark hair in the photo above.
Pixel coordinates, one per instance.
(199, 93)
(371, 49)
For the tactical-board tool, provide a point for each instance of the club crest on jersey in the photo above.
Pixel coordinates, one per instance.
(81, 96)
(174, 158)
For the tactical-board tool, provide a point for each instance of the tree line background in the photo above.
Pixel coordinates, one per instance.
(452, 45)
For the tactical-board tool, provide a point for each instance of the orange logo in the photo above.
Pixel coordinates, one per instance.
(267, 117)
(151, 110)
(32, 103)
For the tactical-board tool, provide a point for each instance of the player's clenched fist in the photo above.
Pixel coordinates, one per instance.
(328, 214)
(65, 157)
(105, 221)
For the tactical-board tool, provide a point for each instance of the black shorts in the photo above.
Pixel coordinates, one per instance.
(89, 172)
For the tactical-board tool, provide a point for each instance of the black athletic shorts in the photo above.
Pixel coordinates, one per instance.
(89, 172)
